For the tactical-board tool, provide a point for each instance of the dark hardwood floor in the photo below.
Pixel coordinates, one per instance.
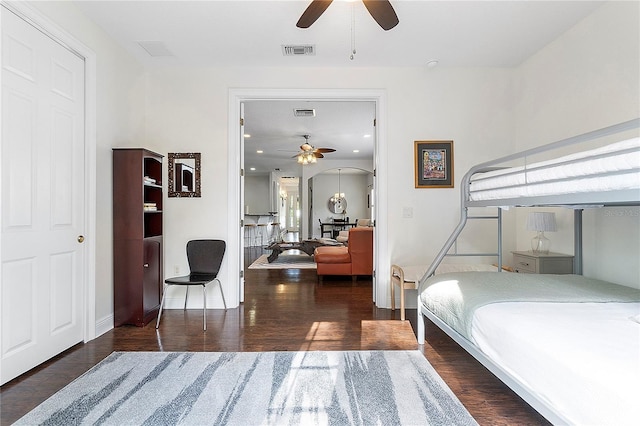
(284, 310)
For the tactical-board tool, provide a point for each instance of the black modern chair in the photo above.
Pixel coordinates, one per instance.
(205, 258)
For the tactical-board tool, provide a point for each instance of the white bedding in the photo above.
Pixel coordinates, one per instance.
(619, 162)
(585, 357)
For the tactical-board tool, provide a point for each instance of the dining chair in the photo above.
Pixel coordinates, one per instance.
(205, 258)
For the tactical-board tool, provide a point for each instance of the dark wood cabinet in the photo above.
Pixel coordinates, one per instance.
(137, 235)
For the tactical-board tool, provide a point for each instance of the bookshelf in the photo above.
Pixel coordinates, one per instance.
(137, 235)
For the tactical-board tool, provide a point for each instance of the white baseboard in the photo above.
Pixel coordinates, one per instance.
(104, 324)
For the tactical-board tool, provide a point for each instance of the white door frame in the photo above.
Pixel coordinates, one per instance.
(55, 32)
(238, 96)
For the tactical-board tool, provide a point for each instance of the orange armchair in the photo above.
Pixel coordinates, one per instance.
(355, 259)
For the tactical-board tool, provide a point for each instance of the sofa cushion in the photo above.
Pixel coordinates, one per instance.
(326, 254)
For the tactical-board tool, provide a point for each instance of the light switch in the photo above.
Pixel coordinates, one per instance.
(407, 212)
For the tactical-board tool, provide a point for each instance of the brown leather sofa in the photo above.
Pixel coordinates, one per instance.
(354, 259)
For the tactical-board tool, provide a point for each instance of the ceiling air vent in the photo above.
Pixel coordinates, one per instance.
(155, 48)
(299, 50)
(301, 112)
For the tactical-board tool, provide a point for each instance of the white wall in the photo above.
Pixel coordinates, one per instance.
(585, 80)
(121, 87)
(256, 194)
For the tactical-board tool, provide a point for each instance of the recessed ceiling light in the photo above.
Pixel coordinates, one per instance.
(259, 151)
(432, 63)
(367, 136)
(253, 169)
(356, 150)
(247, 135)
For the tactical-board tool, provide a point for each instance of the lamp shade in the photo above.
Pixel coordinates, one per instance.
(541, 221)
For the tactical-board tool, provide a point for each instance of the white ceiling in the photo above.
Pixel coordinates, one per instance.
(251, 33)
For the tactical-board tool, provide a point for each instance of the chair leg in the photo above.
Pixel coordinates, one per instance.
(402, 302)
(204, 310)
(222, 293)
(186, 297)
(164, 294)
(393, 293)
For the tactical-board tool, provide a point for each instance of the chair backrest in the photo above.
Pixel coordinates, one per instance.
(205, 256)
(363, 222)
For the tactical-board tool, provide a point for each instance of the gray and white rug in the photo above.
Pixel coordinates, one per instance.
(285, 261)
(256, 388)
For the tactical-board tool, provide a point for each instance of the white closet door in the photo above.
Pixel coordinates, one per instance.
(43, 201)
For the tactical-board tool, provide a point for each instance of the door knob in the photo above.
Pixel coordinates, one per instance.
(80, 238)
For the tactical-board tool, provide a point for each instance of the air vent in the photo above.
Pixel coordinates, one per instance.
(301, 112)
(299, 50)
(155, 48)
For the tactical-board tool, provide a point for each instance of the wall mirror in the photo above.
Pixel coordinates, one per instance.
(337, 205)
(184, 174)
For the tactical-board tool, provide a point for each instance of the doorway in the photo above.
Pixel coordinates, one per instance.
(290, 209)
(236, 145)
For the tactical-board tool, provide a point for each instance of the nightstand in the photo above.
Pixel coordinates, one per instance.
(528, 262)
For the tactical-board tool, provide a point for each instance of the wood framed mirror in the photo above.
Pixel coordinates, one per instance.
(184, 174)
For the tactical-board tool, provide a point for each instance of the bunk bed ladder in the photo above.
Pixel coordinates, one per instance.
(453, 240)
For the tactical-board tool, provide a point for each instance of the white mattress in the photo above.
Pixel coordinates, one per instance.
(620, 164)
(585, 356)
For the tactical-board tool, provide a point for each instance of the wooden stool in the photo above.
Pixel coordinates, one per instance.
(262, 233)
(249, 233)
(275, 232)
(407, 278)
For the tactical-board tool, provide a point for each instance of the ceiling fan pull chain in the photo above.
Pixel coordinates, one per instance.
(353, 31)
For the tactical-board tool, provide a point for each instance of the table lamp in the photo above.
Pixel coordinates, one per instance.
(541, 222)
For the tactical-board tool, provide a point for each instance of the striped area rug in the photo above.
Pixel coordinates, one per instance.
(285, 261)
(256, 388)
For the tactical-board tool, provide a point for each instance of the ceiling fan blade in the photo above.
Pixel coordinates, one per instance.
(325, 150)
(312, 13)
(318, 155)
(382, 12)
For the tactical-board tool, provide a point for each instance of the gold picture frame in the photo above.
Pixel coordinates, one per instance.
(433, 164)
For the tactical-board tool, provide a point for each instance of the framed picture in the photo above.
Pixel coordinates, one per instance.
(434, 164)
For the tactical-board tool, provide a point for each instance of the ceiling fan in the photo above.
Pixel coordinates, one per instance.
(309, 154)
(380, 10)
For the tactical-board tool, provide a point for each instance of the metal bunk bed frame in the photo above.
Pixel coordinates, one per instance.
(576, 201)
